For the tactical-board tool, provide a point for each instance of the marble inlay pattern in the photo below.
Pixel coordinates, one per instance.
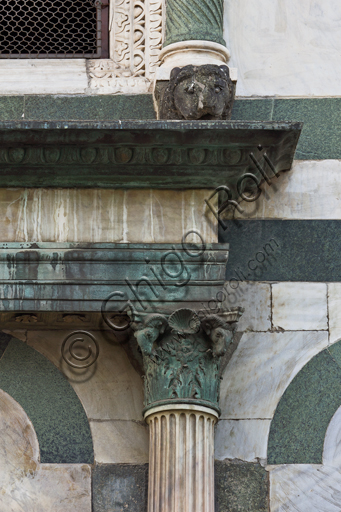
(332, 442)
(47, 397)
(303, 414)
(262, 367)
(26, 485)
(110, 389)
(111, 392)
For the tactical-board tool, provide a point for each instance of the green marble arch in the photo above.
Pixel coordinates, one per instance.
(48, 399)
(303, 414)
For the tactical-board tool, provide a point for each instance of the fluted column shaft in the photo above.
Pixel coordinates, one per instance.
(181, 458)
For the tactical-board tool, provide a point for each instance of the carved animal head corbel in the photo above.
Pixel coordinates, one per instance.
(219, 332)
(148, 332)
(198, 92)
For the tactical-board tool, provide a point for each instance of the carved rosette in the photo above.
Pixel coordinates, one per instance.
(182, 355)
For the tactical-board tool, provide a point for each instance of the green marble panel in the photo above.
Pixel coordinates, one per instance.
(4, 341)
(50, 402)
(302, 416)
(320, 136)
(11, 107)
(120, 487)
(99, 108)
(283, 250)
(241, 487)
(259, 109)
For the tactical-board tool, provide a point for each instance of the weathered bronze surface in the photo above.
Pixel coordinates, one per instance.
(198, 92)
(182, 355)
(71, 277)
(141, 154)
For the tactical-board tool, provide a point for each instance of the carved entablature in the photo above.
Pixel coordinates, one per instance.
(182, 355)
(136, 35)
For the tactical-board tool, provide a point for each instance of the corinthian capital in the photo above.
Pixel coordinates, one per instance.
(182, 355)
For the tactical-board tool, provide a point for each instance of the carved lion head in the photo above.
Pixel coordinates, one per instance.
(198, 92)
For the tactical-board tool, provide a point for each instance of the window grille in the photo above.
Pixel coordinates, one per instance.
(54, 28)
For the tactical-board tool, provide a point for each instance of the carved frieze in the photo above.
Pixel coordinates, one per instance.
(182, 355)
(136, 34)
(153, 154)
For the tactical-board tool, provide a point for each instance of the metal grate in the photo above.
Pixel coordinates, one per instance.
(53, 28)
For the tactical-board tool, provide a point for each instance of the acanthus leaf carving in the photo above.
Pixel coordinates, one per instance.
(182, 354)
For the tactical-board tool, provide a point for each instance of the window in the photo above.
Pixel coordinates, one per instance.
(54, 28)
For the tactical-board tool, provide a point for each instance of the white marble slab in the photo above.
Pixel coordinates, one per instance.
(305, 488)
(242, 439)
(43, 76)
(120, 442)
(52, 487)
(255, 299)
(299, 306)
(28, 486)
(285, 48)
(332, 442)
(101, 215)
(18, 441)
(334, 311)
(262, 367)
(311, 190)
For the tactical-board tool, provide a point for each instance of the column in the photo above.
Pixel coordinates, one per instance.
(193, 35)
(183, 357)
(181, 458)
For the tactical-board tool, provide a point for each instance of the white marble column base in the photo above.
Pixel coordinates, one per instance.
(192, 52)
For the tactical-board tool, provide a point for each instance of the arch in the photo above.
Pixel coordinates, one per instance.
(301, 419)
(50, 402)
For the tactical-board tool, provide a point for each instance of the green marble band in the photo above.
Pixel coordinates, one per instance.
(319, 139)
(188, 20)
(281, 250)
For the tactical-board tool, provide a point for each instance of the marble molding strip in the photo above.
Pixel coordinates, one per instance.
(181, 459)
